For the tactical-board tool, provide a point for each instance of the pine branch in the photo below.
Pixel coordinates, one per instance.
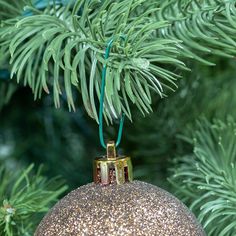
(61, 48)
(24, 196)
(206, 179)
(206, 27)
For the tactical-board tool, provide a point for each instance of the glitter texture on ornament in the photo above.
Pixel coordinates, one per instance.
(130, 209)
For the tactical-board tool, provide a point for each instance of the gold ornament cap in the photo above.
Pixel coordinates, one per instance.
(112, 169)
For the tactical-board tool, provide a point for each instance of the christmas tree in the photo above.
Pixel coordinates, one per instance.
(170, 71)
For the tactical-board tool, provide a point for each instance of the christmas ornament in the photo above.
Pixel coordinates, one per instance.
(116, 205)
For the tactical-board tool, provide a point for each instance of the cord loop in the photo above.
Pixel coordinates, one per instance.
(102, 96)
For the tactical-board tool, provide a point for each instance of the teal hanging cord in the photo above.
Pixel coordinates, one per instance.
(104, 71)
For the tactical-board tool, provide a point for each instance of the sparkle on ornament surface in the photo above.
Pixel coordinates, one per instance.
(133, 209)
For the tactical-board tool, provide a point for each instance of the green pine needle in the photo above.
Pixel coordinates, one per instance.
(206, 179)
(205, 27)
(24, 197)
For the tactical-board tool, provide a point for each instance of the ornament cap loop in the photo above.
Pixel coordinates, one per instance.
(111, 150)
(112, 169)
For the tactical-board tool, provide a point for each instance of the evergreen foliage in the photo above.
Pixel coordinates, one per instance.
(25, 196)
(63, 46)
(70, 42)
(205, 179)
(203, 27)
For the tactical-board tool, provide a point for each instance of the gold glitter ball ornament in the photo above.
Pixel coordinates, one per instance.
(135, 208)
(114, 205)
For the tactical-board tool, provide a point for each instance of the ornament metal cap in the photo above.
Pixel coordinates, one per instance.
(112, 169)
